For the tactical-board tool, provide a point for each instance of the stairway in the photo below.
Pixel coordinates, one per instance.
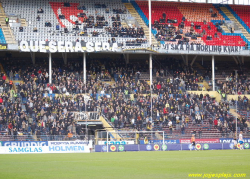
(225, 29)
(23, 23)
(3, 71)
(138, 18)
(109, 128)
(8, 34)
(124, 24)
(232, 18)
(7, 78)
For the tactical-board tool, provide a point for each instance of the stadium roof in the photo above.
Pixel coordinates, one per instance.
(237, 2)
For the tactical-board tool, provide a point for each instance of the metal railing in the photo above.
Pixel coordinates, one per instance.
(45, 137)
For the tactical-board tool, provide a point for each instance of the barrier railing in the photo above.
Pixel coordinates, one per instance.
(44, 137)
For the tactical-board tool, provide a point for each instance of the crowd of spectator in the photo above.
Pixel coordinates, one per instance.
(126, 32)
(172, 30)
(231, 85)
(97, 21)
(36, 106)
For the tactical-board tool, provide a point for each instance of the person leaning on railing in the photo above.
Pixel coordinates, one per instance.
(70, 135)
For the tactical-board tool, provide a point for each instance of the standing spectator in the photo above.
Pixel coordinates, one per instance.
(215, 123)
(10, 127)
(183, 129)
(4, 78)
(15, 133)
(11, 75)
(200, 133)
(7, 21)
(210, 123)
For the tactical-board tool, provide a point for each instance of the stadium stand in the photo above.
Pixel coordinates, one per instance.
(89, 22)
(94, 23)
(120, 91)
(45, 108)
(189, 23)
(243, 12)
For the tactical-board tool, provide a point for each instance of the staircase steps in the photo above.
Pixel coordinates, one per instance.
(138, 18)
(232, 18)
(8, 34)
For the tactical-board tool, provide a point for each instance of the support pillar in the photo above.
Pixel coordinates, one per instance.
(33, 57)
(65, 59)
(185, 59)
(191, 64)
(50, 69)
(127, 59)
(236, 61)
(151, 83)
(149, 23)
(151, 69)
(84, 68)
(242, 60)
(213, 73)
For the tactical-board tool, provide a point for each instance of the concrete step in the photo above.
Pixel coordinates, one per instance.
(138, 18)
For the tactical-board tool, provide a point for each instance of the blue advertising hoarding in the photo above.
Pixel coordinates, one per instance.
(230, 140)
(165, 147)
(24, 143)
(161, 141)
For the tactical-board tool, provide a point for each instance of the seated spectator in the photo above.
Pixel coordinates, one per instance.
(77, 22)
(215, 35)
(79, 7)
(95, 33)
(81, 14)
(20, 29)
(75, 27)
(40, 10)
(246, 46)
(57, 27)
(197, 27)
(219, 29)
(66, 4)
(211, 10)
(35, 29)
(97, 5)
(209, 37)
(47, 24)
(81, 33)
(38, 18)
(214, 15)
(66, 30)
(61, 16)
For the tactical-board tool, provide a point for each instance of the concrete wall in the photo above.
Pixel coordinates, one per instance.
(235, 97)
(213, 94)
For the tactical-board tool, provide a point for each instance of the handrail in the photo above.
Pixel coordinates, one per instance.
(44, 137)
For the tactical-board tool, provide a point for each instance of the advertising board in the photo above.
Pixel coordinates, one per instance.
(202, 141)
(26, 147)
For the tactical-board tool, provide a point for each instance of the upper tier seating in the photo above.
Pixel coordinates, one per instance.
(87, 19)
(198, 14)
(243, 12)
